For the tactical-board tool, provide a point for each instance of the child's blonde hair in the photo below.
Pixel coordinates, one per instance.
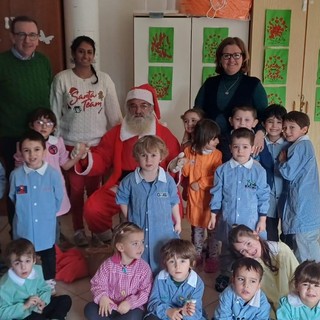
(19, 248)
(121, 232)
(307, 271)
(150, 143)
(179, 248)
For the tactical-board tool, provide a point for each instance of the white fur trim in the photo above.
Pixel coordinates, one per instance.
(142, 94)
(89, 167)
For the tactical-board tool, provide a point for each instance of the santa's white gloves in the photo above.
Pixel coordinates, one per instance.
(176, 164)
(80, 149)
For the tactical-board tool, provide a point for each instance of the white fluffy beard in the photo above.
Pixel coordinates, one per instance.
(139, 125)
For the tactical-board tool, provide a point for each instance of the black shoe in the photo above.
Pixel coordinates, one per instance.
(221, 282)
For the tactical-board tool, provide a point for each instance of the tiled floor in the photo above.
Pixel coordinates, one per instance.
(80, 289)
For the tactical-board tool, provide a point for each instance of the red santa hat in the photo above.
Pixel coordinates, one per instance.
(147, 93)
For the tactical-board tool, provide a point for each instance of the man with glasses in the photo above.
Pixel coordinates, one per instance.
(25, 79)
(115, 151)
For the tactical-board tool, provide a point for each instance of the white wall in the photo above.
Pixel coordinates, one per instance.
(116, 42)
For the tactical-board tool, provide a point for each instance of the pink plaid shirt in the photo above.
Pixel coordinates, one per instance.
(131, 283)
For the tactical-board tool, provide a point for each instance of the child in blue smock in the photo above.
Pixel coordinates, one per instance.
(243, 298)
(149, 198)
(36, 190)
(23, 292)
(274, 142)
(303, 301)
(240, 195)
(298, 165)
(177, 290)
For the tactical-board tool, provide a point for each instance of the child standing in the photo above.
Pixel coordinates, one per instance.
(177, 290)
(190, 119)
(241, 117)
(36, 190)
(149, 197)
(23, 292)
(240, 194)
(122, 284)
(276, 258)
(272, 120)
(298, 165)
(203, 158)
(243, 298)
(303, 302)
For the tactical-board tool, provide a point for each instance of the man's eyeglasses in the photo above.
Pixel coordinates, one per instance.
(142, 106)
(22, 35)
(235, 56)
(42, 123)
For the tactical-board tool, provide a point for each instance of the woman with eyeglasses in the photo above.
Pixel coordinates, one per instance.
(232, 87)
(86, 105)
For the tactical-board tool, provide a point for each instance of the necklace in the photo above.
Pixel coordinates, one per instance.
(228, 89)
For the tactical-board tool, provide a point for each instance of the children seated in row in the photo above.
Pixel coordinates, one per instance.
(177, 290)
(276, 258)
(303, 300)
(243, 298)
(24, 294)
(298, 165)
(149, 198)
(202, 160)
(122, 284)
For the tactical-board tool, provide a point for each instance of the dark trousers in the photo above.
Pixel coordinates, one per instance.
(48, 262)
(272, 229)
(58, 308)
(91, 312)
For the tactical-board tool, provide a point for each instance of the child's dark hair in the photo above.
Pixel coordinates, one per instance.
(75, 45)
(19, 247)
(43, 113)
(300, 118)
(307, 271)
(149, 143)
(121, 231)
(204, 131)
(243, 231)
(33, 136)
(21, 19)
(274, 110)
(195, 110)
(243, 133)
(248, 264)
(244, 108)
(180, 248)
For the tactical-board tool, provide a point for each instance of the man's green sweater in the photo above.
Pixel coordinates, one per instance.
(24, 86)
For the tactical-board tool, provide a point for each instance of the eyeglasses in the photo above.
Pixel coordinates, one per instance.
(235, 56)
(142, 106)
(42, 123)
(22, 35)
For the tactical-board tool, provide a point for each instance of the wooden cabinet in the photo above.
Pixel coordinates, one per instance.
(49, 16)
(304, 48)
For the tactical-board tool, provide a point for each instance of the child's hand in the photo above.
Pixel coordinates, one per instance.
(124, 307)
(195, 186)
(212, 222)
(174, 313)
(105, 306)
(261, 226)
(177, 227)
(41, 305)
(32, 302)
(189, 308)
(282, 156)
(80, 151)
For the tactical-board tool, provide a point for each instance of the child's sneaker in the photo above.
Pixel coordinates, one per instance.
(52, 284)
(211, 265)
(222, 282)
